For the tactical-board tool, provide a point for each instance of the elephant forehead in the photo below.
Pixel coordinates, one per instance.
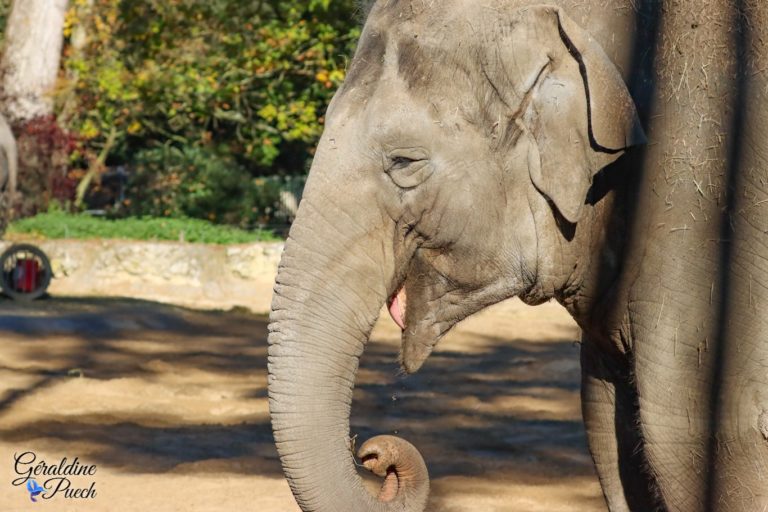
(368, 64)
(401, 59)
(406, 10)
(430, 61)
(393, 68)
(395, 114)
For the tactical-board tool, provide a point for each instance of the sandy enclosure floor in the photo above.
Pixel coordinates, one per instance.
(170, 405)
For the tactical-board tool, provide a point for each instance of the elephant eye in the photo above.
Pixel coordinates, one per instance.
(403, 158)
(408, 168)
(401, 162)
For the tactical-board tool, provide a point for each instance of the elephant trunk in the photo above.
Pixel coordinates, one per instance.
(328, 294)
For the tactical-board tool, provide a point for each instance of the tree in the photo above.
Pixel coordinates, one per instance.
(30, 62)
(252, 81)
(203, 102)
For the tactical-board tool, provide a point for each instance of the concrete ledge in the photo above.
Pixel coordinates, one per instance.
(194, 275)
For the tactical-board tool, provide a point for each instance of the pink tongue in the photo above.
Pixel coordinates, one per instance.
(397, 308)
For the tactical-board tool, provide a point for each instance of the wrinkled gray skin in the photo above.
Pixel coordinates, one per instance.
(8, 171)
(464, 159)
(8, 158)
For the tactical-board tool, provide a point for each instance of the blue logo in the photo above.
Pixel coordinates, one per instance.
(34, 489)
(67, 478)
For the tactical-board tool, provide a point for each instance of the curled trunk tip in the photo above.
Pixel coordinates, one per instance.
(406, 479)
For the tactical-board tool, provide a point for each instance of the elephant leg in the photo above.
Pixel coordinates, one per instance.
(705, 458)
(609, 407)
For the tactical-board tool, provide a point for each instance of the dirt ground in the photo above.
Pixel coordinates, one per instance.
(170, 406)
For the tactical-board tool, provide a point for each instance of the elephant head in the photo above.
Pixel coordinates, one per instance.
(452, 173)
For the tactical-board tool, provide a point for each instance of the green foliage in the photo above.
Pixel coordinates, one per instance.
(196, 182)
(58, 224)
(207, 98)
(5, 11)
(247, 80)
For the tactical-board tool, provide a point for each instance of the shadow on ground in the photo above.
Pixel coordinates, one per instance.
(146, 388)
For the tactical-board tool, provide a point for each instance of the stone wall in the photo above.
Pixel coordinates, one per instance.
(195, 275)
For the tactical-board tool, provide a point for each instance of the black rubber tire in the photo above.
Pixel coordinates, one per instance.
(46, 271)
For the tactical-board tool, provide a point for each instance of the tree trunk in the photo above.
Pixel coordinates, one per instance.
(31, 57)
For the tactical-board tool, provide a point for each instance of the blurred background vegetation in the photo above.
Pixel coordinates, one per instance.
(207, 109)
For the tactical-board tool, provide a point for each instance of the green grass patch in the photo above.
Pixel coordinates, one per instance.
(57, 225)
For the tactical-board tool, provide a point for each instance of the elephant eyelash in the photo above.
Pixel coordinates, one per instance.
(401, 162)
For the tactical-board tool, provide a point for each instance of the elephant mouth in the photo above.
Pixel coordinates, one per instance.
(419, 320)
(425, 305)
(396, 305)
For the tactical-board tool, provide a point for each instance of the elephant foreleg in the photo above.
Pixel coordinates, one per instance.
(610, 417)
(705, 459)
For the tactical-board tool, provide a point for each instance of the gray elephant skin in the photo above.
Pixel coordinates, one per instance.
(612, 155)
(9, 166)
(9, 169)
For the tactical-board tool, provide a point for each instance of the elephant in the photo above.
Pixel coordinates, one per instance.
(8, 171)
(610, 155)
(9, 160)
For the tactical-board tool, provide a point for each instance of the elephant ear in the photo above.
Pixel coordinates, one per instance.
(567, 98)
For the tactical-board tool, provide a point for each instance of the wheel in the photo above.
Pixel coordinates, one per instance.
(25, 272)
